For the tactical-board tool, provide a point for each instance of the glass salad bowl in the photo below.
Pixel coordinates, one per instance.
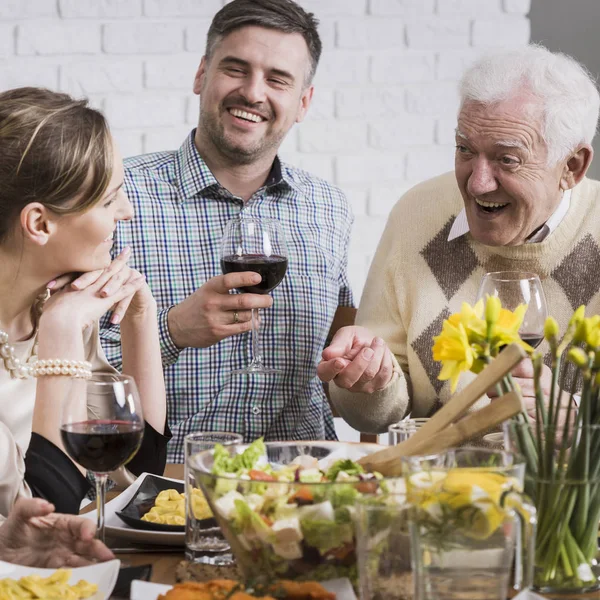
(288, 508)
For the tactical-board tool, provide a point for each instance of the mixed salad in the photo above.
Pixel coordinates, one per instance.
(291, 520)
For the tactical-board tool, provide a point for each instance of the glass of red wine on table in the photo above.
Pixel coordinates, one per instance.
(514, 288)
(255, 244)
(103, 444)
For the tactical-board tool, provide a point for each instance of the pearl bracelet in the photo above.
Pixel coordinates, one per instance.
(79, 369)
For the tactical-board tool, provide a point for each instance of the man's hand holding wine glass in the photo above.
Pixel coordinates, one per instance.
(212, 313)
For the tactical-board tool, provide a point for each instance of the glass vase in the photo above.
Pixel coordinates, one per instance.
(563, 479)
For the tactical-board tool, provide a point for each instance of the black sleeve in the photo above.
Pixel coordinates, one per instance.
(152, 455)
(52, 475)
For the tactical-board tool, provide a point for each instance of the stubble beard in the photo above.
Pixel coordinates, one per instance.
(234, 152)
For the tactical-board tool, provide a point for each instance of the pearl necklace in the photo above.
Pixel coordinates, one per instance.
(16, 368)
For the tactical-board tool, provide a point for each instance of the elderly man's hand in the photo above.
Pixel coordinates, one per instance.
(523, 375)
(357, 361)
(34, 535)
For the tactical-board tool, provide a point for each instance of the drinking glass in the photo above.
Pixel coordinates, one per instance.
(255, 244)
(469, 522)
(198, 538)
(518, 287)
(401, 431)
(383, 548)
(108, 440)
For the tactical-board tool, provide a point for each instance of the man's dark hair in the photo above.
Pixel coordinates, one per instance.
(281, 15)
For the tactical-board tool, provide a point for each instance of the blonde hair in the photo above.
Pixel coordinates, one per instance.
(54, 150)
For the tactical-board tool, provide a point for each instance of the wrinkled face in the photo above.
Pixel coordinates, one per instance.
(252, 90)
(501, 169)
(83, 241)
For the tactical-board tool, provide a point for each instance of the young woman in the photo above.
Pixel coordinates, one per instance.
(60, 200)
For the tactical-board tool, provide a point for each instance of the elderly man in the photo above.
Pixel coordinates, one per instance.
(254, 83)
(518, 200)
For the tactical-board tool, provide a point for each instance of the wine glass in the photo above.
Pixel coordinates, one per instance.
(110, 438)
(255, 244)
(518, 287)
(514, 288)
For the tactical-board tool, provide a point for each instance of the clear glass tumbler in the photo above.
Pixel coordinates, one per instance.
(469, 523)
(401, 431)
(202, 536)
(383, 548)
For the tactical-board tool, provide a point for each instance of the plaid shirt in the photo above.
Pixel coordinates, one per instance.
(181, 213)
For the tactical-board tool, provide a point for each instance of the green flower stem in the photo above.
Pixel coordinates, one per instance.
(589, 541)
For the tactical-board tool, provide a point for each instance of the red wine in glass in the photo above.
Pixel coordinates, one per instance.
(533, 339)
(255, 244)
(271, 268)
(110, 438)
(102, 446)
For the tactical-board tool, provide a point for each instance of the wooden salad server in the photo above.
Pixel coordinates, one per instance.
(441, 432)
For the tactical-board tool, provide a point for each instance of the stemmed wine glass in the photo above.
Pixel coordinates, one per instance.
(255, 244)
(518, 287)
(109, 440)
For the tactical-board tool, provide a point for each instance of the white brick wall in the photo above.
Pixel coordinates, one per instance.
(385, 102)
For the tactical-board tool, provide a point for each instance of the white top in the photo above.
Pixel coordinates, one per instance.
(461, 225)
(17, 399)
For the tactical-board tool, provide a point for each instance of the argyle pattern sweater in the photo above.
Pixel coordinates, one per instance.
(418, 278)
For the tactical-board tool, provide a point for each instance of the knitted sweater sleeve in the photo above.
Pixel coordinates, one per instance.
(379, 311)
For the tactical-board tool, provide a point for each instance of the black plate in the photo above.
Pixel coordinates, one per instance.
(143, 501)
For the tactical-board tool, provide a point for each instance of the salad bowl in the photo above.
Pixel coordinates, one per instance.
(288, 508)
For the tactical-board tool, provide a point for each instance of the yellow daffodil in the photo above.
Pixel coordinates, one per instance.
(492, 309)
(588, 331)
(506, 330)
(472, 498)
(577, 317)
(453, 350)
(578, 357)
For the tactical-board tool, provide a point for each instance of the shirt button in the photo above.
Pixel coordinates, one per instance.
(255, 410)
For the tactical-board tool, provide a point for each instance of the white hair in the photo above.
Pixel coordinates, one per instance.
(565, 88)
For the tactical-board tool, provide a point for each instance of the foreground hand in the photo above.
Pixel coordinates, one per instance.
(209, 314)
(357, 361)
(523, 375)
(92, 294)
(35, 536)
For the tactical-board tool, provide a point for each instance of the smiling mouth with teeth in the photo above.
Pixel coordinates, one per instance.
(246, 116)
(490, 207)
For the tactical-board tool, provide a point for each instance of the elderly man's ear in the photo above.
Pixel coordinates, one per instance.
(576, 167)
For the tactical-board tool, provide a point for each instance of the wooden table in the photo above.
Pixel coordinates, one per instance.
(164, 566)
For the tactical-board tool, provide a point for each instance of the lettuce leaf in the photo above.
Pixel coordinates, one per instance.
(326, 535)
(226, 464)
(222, 461)
(346, 465)
(249, 457)
(249, 522)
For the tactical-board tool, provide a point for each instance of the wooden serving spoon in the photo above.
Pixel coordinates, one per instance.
(439, 433)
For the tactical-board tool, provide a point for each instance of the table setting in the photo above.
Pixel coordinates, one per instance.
(426, 518)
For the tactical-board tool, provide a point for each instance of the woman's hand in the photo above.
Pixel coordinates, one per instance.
(92, 294)
(34, 535)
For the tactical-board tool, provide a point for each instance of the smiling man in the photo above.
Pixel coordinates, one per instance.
(254, 83)
(518, 200)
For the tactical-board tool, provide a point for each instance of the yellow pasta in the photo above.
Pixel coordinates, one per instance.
(169, 508)
(54, 587)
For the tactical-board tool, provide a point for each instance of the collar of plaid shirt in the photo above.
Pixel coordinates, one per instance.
(181, 212)
(192, 175)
